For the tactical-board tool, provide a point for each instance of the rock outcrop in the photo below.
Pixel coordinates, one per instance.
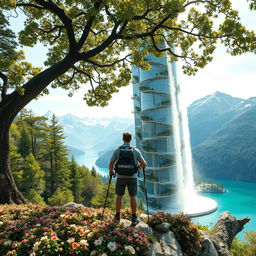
(225, 230)
(217, 244)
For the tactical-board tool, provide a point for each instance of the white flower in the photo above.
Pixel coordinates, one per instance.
(62, 215)
(8, 242)
(35, 247)
(43, 238)
(71, 240)
(104, 254)
(90, 234)
(1, 223)
(93, 253)
(98, 241)
(112, 246)
(130, 249)
(84, 242)
(32, 254)
(73, 226)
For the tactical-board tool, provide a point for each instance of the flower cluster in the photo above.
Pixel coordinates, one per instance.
(115, 239)
(35, 230)
(127, 214)
(186, 233)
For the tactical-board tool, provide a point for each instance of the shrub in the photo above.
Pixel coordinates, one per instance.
(61, 197)
(239, 248)
(186, 233)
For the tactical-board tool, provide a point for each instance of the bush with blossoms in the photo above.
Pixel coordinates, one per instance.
(186, 233)
(36, 230)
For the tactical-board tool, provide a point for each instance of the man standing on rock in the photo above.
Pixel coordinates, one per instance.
(125, 161)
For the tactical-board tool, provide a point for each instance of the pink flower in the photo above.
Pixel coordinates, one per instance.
(129, 238)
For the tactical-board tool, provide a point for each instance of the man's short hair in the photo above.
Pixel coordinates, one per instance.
(127, 137)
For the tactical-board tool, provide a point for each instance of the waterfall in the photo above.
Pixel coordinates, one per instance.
(187, 199)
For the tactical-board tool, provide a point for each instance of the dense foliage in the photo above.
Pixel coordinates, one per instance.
(245, 247)
(36, 230)
(186, 233)
(98, 32)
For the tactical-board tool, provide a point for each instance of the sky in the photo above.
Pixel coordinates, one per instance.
(235, 76)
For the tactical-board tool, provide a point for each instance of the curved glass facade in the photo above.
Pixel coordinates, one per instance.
(154, 133)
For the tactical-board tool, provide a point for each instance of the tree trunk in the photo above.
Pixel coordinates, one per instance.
(9, 193)
(9, 108)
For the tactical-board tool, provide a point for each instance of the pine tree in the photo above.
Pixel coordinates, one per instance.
(78, 176)
(93, 172)
(36, 130)
(33, 183)
(16, 159)
(56, 162)
(24, 144)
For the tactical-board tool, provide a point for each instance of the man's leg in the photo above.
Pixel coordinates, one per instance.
(132, 187)
(118, 203)
(133, 202)
(120, 188)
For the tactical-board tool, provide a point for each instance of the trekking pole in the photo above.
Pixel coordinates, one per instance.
(145, 191)
(110, 178)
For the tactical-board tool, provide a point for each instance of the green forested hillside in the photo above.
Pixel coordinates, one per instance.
(230, 153)
(43, 170)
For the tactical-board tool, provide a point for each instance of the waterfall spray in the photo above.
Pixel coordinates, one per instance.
(189, 201)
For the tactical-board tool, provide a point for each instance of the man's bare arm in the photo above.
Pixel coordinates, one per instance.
(111, 167)
(143, 164)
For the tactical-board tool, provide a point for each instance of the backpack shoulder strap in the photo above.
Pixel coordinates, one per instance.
(118, 153)
(133, 152)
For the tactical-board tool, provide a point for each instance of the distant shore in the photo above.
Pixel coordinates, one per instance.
(208, 186)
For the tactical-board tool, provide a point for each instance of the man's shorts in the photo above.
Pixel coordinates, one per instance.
(131, 183)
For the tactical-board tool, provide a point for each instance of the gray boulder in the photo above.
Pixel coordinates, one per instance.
(73, 205)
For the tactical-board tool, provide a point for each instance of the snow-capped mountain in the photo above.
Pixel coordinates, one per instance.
(213, 112)
(87, 132)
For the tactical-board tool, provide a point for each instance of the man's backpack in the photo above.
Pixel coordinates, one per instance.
(126, 163)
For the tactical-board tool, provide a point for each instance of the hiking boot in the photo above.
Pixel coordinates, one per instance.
(116, 218)
(135, 221)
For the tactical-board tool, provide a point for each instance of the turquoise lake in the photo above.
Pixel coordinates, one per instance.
(240, 199)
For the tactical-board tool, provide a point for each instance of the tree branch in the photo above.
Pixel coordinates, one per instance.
(52, 29)
(4, 87)
(87, 27)
(67, 81)
(102, 46)
(30, 5)
(193, 34)
(166, 49)
(109, 64)
(200, 1)
(65, 20)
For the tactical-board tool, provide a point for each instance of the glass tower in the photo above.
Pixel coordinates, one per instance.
(154, 133)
